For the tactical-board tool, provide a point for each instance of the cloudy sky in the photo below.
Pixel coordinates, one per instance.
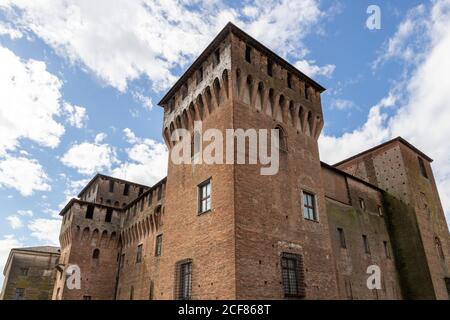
(79, 80)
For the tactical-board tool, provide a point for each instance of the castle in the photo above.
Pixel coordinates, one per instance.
(227, 232)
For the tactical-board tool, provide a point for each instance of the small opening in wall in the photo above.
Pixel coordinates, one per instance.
(248, 54)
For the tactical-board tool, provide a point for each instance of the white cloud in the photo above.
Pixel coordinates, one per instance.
(342, 104)
(88, 158)
(25, 213)
(45, 230)
(6, 244)
(421, 108)
(14, 221)
(23, 174)
(147, 102)
(100, 137)
(6, 29)
(75, 115)
(155, 38)
(309, 68)
(147, 161)
(29, 101)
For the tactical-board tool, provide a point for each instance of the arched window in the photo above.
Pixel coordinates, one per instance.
(438, 244)
(282, 139)
(96, 254)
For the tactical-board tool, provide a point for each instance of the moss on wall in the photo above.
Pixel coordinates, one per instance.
(409, 252)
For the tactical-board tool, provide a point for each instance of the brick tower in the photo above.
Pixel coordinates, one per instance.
(236, 231)
(89, 237)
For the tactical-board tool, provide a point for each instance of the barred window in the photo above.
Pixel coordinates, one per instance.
(139, 254)
(309, 208)
(204, 196)
(20, 294)
(183, 288)
(292, 275)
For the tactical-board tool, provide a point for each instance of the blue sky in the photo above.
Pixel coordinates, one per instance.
(79, 83)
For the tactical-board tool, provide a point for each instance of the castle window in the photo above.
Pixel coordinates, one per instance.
(90, 211)
(158, 245)
(270, 68)
(309, 207)
(131, 293)
(139, 254)
(96, 254)
(423, 170)
(160, 190)
(366, 244)
(289, 80)
(116, 204)
(216, 57)
(184, 91)
(248, 54)
(362, 204)
(111, 186)
(292, 275)
(183, 280)
(141, 190)
(20, 294)
(109, 213)
(282, 139)
(204, 196)
(380, 211)
(199, 75)
(306, 91)
(126, 189)
(387, 253)
(24, 271)
(438, 244)
(342, 238)
(150, 196)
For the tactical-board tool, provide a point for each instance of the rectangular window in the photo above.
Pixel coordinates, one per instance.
(158, 245)
(306, 91)
(309, 207)
(204, 196)
(184, 280)
(362, 204)
(248, 54)
(150, 196)
(423, 170)
(160, 190)
(292, 275)
(20, 294)
(139, 254)
(366, 244)
(90, 211)
(109, 213)
(270, 68)
(342, 238)
(24, 271)
(289, 80)
(386, 249)
(126, 189)
(380, 211)
(111, 186)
